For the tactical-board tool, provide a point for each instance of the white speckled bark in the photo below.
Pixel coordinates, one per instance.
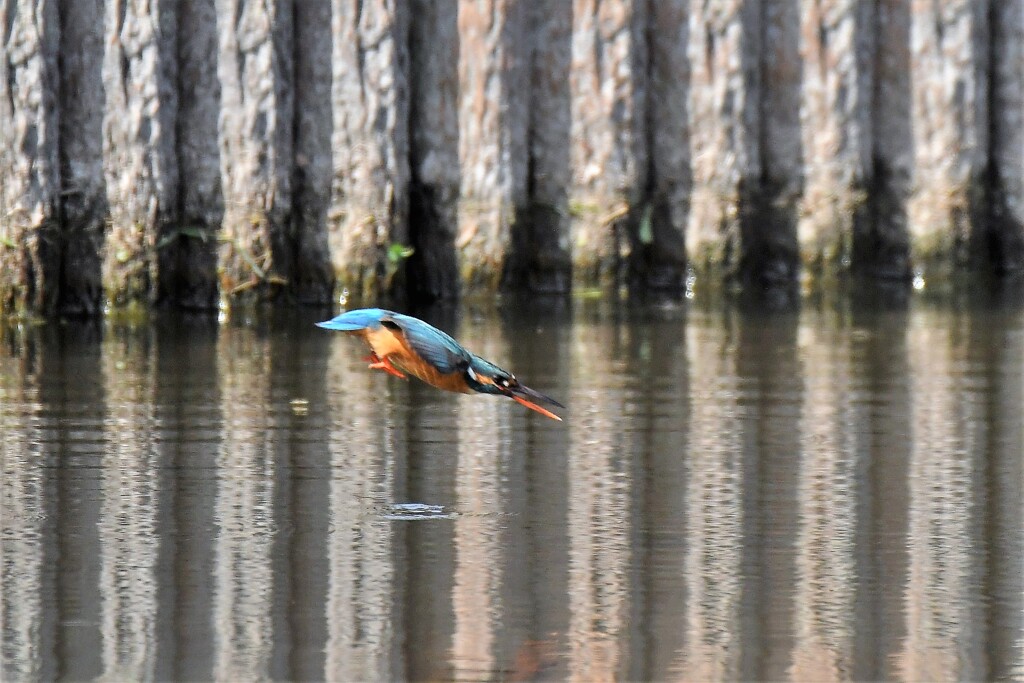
(493, 81)
(723, 132)
(273, 145)
(370, 101)
(950, 125)
(836, 125)
(609, 140)
(255, 67)
(29, 163)
(139, 158)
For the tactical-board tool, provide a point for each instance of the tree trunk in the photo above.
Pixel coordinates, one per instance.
(370, 101)
(256, 72)
(139, 148)
(493, 152)
(29, 160)
(609, 139)
(949, 122)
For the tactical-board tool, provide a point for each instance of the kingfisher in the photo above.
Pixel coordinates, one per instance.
(402, 344)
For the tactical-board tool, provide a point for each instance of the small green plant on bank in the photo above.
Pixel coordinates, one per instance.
(396, 253)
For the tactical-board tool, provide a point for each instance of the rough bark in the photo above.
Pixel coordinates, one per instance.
(308, 271)
(493, 78)
(659, 247)
(432, 272)
(1002, 240)
(538, 259)
(29, 161)
(609, 141)
(836, 101)
(370, 102)
(256, 73)
(724, 109)
(140, 164)
(949, 117)
(187, 261)
(770, 257)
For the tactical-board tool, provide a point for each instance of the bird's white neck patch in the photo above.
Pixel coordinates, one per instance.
(472, 374)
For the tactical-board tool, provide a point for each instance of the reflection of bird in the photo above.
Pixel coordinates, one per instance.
(400, 342)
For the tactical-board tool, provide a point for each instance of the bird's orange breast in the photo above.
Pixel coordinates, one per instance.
(387, 344)
(414, 365)
(383, 341)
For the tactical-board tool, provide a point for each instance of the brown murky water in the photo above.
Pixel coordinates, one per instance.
(829, 494)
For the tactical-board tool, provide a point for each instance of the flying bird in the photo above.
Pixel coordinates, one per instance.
(402, 344)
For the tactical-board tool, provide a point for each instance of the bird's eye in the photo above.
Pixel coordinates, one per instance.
(502, 382)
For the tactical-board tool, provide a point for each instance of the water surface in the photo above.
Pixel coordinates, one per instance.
(824, 494)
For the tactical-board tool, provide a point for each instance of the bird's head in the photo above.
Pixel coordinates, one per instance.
(487, 378)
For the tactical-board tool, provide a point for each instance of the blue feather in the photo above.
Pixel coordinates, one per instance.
(359, 319)
(433, 345)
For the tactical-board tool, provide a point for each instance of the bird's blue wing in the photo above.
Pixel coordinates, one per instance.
(359, 319)
(433, 345)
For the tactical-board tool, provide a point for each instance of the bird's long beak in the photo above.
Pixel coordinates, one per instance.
(522, 395)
